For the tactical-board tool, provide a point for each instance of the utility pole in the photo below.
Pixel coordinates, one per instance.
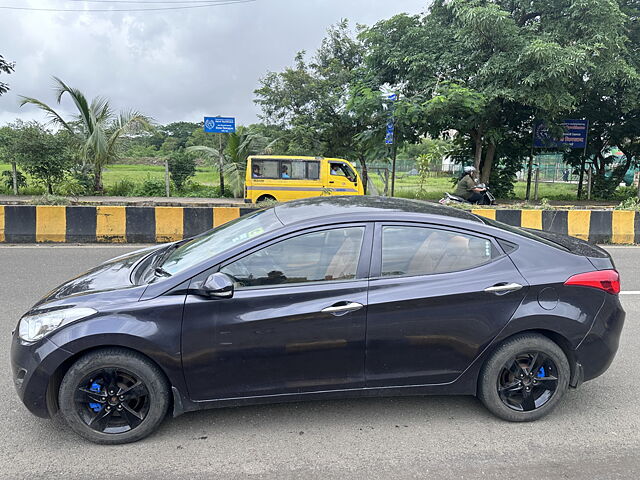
(221, 166)
(14, 176)
(530, 165)
(166, 177)
(393, 164)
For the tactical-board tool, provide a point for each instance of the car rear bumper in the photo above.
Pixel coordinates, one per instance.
(33, 364)
(598, 348)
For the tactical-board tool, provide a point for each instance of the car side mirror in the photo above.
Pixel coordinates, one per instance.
(217, 285)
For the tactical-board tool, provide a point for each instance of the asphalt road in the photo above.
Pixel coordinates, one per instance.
(595, 432)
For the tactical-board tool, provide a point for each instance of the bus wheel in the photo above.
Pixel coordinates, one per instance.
(266, 198)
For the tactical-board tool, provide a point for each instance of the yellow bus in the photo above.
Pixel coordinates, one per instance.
(284, 178)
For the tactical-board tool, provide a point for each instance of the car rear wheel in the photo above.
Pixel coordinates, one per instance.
(524, 379)
(113, 396)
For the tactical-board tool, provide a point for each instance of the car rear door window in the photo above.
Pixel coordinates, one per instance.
(409, 251)
(328, 255)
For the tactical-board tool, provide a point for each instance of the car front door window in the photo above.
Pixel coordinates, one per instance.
(328, 255)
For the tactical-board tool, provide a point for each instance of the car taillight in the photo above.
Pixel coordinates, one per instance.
(607, 280)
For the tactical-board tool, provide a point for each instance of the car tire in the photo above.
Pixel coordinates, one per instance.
(137, 398)
(513, 387)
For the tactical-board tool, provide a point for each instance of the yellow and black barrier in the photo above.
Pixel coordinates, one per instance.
(112, 224)
(109, 224)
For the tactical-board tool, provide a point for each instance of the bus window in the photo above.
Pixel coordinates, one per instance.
(349, 173)
(298, 170)
(267, 168)
(285, 170)
(343, 170)
(313, 170)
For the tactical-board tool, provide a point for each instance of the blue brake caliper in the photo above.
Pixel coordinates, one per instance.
(541, 373)
(96, 407)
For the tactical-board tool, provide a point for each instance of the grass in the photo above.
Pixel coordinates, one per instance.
(139, 173)
(406, 186)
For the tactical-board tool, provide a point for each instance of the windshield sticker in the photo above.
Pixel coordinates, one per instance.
(248, 235)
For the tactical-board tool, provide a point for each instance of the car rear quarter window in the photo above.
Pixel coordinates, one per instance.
(410, 251)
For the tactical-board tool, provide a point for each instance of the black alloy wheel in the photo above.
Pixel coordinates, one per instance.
(524, 378)
(112, 400)
(114, 396)
(528, 381)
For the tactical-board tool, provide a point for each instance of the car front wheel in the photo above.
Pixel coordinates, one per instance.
(524, 379)
(113, 396)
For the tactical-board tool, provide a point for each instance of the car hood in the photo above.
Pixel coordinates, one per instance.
(114, 274)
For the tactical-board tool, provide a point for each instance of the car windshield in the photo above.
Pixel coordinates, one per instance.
(220, 239)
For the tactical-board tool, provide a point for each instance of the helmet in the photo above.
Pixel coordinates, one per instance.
(469, 169)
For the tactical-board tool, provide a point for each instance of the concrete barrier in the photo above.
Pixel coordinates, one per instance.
(114, 224)
(109, 224)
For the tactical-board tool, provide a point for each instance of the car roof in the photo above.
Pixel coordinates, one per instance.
(349, 206)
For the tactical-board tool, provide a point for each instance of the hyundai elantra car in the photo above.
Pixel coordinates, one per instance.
(316, 299)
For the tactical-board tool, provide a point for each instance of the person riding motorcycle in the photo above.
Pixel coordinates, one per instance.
(467, 187)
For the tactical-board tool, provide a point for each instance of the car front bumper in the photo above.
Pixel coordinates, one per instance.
(33, 365)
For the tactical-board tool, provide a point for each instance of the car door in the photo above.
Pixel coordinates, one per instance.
(430, 313)
(296, 322)
(338, 182)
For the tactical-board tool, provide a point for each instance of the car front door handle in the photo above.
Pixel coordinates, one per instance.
(342, 308)
(501, 289)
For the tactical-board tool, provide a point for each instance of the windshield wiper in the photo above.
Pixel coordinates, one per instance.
(161, 272)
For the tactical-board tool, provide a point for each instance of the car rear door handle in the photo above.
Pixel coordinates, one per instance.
(342, 307)
(501, 289)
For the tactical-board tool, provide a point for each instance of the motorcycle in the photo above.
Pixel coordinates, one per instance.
(487, 198)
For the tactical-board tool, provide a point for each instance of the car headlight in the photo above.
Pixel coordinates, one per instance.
(34, 327)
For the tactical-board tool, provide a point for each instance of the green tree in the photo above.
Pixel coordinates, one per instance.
(182, 167)
(97, 128)
(180, 131)
(309, 102)
(41, 154)
(5, 67)
(487, 68)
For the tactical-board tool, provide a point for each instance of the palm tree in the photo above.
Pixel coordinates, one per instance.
(96, 126)
(240, 145)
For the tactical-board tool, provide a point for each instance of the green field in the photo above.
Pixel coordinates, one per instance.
(139, 173)
(406, 186)
(434, 188)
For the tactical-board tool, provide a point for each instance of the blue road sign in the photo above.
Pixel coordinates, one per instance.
(388, 138)
(575, 135)
(219, 124)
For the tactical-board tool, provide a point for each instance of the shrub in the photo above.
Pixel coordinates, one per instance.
(181, 168)
(123, 188)
(33, 190)
(71, 187)
(624, 193)
(150, 188)
(631, 203)
(7, 180)
(192, 189)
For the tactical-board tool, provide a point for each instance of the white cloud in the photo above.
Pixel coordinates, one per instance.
(171, 65)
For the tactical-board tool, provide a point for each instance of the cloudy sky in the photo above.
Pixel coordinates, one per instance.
(174, 64)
